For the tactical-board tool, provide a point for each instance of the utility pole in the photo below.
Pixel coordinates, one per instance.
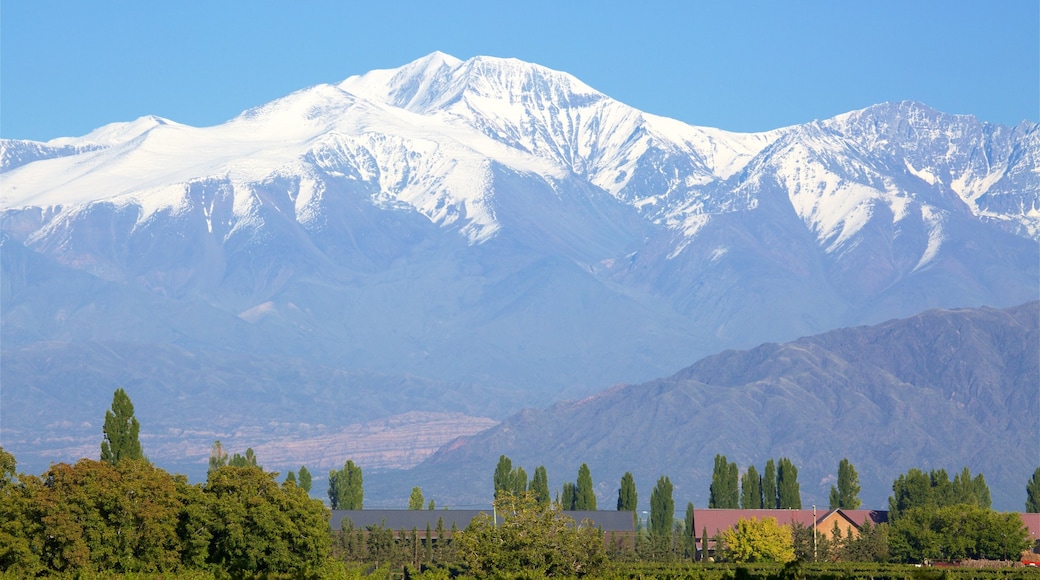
(814, 532)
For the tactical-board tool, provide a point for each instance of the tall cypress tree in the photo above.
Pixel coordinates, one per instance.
(788, 491)
(585, 498)
(627, 500)
(662, 508)
(751, 489)
(769, 497)
(121, 431)
(690, 532)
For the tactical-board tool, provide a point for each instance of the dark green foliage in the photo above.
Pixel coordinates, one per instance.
(121, 431)
(788, 491)
(415, 500)
(628, 499)
(540, 485)
(724, 492)
(305, 479)
(970, 490)
(751, 489)
(247, 460)
(846, 494)
(662, 508)
(934, 489)
(585, 497)
(509, 480)
(769, 486)
(346, 487)
(956, 532)
(1033, 493)
(569, 498)
(690, 533)
(290, 478)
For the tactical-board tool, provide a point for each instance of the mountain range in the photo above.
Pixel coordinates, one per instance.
(466, 239)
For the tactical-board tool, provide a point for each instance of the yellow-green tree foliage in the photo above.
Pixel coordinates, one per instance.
(533, 539)
(754, 540)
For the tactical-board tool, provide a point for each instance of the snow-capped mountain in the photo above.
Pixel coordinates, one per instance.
(502, 224)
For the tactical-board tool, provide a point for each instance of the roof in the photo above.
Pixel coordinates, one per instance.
(608, 521)
(715, 519)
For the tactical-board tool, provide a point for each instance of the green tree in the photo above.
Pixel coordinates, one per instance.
(247, 460)
(585, 497)
(121, 431)
(540, 485)
(569, 500)
(751, 489)
(503, 476)
(690, 532)
(753, 540)
(971, 490)
(769, 495)
(305, 479)
(291, 478)
(955, 532)
(518, 478)
(788, 491)
(724, 492)
(260, 528)
(533, 539)
(1033, 493)
(415, 501)
(628, 499)
(346, 489)
(662, 508)
(846, 494)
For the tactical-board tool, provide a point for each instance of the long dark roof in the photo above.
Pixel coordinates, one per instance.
(608, 521)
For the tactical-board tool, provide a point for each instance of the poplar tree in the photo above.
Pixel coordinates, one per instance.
(346, 490)
(501, 479)
(568, 500)
(788, 491)
(846, 494)
(725, 485)
(751, 489)
(415, 501)
(585, 498)
(305, 479)
(121, 430)
(690, 531)
(1033, 493)
(662, 508)
(769, 498)
(540, 485)
(627, 500)
(972, 491)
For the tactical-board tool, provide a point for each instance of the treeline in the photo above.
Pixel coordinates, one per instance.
(123, 515)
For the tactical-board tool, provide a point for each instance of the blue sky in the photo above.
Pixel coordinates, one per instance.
(68, 67)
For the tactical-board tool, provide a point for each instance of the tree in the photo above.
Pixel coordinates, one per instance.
(218, 458)
(1033, 493)
(724, 492)
(305, 479)
(769, 486)
(121, 431)
(585, 497)
(846, 494)
(415, 502)
(533, 539)
(971, 491)
(291, 478)
(540, 485)
(247, 460)
(751, 489)
(956, 532)
(503, 476)
(518, 479)
(690, 532)
(628, 499)
(346, 490)
(662, 508)
(753, 540)
(788, 491)
(569, 499)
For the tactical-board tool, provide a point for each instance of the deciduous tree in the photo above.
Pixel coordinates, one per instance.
(585, 497)
(751, 489)
(753, 540)
(540, 485)
(628, 499)
(1033, 493)
(346, 489)
(662, 508)
(846, 494)
(769, 486)
(788, 491)
(415, 501)
(724, 492)
(305, 479)
(121, 431)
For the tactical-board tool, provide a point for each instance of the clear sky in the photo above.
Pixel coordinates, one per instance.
(67, 67)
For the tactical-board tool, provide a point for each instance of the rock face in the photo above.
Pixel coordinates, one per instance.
(489, 225)
(941, 390)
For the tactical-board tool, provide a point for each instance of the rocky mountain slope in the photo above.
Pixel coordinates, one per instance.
(489, 223)
(943, 389)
